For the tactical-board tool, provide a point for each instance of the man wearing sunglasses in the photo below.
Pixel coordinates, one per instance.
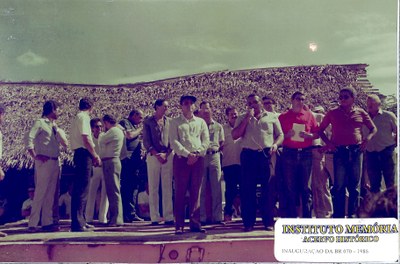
(347, 142)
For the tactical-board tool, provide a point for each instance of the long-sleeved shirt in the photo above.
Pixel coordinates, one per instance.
(43, 138)
(111, 143)
(155, 136)
(187, 136)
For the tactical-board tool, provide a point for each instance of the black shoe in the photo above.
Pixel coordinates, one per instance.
(198, 230)
(248, 229)
(81, 229)
(169, 222)
(136, 218)
(154, 223)
(50, 228)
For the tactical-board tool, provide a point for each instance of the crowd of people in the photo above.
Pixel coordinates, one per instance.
(195, 149)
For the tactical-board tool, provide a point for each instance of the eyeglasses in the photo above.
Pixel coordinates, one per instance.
(300, 99)
(344, 97)
(98, 126)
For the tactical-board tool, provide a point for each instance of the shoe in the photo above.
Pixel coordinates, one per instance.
(169, 222)
(248, 229)
(154, 223)
(219, 223)
(136, 218)
(89, 225)
(3, 234)
(227, 218)
(269, 228)
(50, 228)
(81, 229)
(198, 230)
(179, 231)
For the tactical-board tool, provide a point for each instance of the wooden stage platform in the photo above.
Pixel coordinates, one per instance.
(137, 243)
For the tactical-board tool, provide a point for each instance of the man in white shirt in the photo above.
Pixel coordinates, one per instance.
(85, 156)
(212, 167)
(189, 138)
(43, 144)
(97, 180)
(110, 150)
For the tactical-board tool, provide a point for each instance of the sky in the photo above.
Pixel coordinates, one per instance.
(128, 41)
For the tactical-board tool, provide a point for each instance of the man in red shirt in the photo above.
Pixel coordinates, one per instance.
(347, 143)
(299, 128)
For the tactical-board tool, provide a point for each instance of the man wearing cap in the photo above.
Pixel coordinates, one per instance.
(159, 162)
(322, 199)
(380, 149)
(43, 144)
(300, 128)
(212, 167)
(261, 134)
(347, 142)
(189, 138)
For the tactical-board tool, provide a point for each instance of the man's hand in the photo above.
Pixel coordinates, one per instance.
(273, 149)
(192, 159)
(290, 133)
(96, 161)
(304, 134)
(2, 175)
(162, 157)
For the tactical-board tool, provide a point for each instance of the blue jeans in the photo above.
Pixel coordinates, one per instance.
(255, 169)
(296, 171)
(347, 162)
(378, 164)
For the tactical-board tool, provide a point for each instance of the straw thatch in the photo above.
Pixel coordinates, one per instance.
(24, 101)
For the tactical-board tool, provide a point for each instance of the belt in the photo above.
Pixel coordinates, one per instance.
(256, 150)
(108, 158)
(212, 152)
(348, 147)
(297, 149)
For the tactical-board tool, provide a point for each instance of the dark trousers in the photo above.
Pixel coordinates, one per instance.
(129, 183)
(255, 169)
(296, 169)
(378, 164)
(80, 187)
(187, 177)
(232, 179)
(347, 162)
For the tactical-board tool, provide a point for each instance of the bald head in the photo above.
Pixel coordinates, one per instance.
(373, 104)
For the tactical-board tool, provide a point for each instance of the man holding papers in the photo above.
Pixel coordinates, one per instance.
(300, 128)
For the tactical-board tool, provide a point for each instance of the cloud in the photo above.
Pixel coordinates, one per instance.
(31, 59)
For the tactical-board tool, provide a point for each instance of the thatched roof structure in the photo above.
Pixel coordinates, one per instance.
(24, 101)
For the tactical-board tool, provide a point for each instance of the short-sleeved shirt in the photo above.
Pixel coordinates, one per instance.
(260, 133)
(305, 118)
(346, 127)
(216, 132)
(232, 148)
(80, 126)
(386, 123)
(133, 143)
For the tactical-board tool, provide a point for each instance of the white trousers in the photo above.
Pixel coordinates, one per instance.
(97, 181)
(46, 176)
(156, 172)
